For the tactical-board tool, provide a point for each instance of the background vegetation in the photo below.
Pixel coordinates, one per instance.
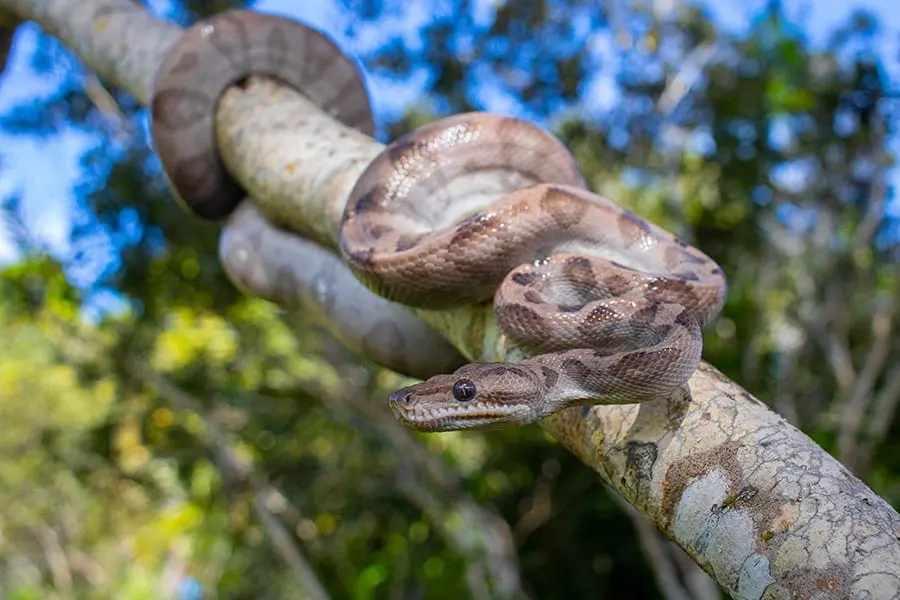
(165, 435)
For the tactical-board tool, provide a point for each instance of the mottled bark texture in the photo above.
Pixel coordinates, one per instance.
(758, 505)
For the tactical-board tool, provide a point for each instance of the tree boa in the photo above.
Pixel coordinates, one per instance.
(468, 208)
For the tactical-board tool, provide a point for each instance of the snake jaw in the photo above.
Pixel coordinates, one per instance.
(430, 414)
(475, 396)
(453, 418)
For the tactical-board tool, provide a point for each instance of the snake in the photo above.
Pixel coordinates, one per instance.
(473, 209)
(478, 206)
(224, 50)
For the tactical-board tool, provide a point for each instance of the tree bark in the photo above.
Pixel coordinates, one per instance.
(760, 507)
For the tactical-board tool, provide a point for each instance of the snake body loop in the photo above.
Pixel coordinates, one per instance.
(467, 208)
(479, 205)
(223, 50)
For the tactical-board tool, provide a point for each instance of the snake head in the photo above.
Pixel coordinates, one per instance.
(476, 396)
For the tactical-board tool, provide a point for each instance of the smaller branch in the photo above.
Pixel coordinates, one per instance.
(882, 323)
(57, 561)
(834, 318)
(841, 363)
(285, 545)
(539, 512)
(855, 408)
(837, 355)
(687, 77)
(92, 571)
(664, 566)
(228, 460)
(550, 499)
(883, 412)
(785, 344)
(485, 538)
(824, 322)
(106, 104)
(868, 225)
(402, 441)
(783, 397)
(701, 586)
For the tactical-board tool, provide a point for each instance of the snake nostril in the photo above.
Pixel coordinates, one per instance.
(401, 397)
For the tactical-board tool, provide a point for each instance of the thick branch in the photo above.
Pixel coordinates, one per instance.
(753, 500)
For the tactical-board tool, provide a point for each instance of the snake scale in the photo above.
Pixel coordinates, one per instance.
(470, 208)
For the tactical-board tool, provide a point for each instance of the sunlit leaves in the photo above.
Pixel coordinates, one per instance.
(784, 96)
(190, 337)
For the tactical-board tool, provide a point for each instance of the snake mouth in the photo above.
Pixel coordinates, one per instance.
(453, 417)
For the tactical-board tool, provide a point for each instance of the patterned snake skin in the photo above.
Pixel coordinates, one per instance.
(224, 50)
(466, 209)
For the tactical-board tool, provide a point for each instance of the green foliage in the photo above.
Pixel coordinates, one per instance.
(137, 451)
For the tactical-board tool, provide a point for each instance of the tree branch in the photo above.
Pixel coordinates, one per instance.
(480, 535)
(57, 561)
(752, 499)
(664, 565)
(855, 408)
(884, 409)
(241, 472)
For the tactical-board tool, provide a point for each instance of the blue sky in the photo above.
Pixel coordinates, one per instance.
(41, 171)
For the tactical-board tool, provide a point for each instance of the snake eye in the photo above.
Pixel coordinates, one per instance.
(464, 390)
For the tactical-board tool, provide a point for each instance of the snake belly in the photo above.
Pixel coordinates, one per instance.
(478, 205)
